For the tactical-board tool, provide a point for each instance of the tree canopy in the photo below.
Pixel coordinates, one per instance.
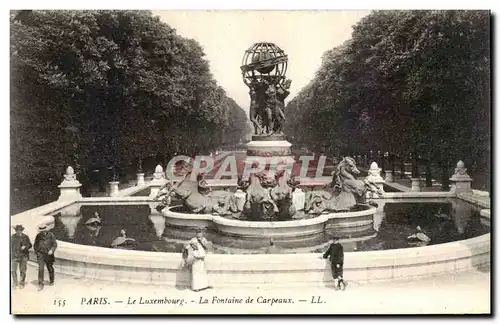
(100, 88)
(406, 82)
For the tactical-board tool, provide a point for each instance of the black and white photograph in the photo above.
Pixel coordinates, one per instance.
(196, 162)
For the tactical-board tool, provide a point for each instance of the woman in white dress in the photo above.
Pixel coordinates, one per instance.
(194, 255)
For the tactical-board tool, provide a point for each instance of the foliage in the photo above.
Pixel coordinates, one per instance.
(100, 88)
(407, 82)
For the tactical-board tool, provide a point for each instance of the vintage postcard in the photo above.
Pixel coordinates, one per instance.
(250, 162)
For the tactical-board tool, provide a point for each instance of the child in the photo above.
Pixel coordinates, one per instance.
(336, 253)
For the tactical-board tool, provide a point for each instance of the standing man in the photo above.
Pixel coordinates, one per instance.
(45, 246)
(19, 250)
(336, 253)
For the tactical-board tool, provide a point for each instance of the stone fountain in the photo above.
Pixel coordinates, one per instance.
(263, 70)
(268, 201)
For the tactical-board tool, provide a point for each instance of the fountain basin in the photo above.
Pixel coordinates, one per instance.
(354, 221)
(292, 269)
(304, 269)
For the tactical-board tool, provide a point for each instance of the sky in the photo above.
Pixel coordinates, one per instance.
(225, 35)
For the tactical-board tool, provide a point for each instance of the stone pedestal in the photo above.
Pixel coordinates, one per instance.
(158, 181)
(388, 176)
(140, 179)
(299, 199)
(267, 146)
(415, 184)
(113, 188)
(460, 180)
(273, 149)
(70, 187)
(374, 177)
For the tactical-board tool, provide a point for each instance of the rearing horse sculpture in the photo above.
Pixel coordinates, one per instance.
(342, 193)
(195, 198)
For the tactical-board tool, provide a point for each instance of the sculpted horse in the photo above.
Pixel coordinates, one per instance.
(342, 193)
(259, 205)
(197, 198)
(282, 195)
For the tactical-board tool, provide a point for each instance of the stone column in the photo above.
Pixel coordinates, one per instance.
(374, 177)
(140, 179)
(113, 188)
(158, 181)
(460, 180)
(415, 184)
(388, 176)
(70, 186)
(299, 199)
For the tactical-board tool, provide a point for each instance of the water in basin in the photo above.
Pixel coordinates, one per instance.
(391, 228)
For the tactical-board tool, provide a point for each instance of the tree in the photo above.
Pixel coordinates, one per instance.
(408, 82)
(99, 88)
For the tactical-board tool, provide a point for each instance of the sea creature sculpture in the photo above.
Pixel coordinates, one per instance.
(123, 242)
(419, 237)
(343, 192)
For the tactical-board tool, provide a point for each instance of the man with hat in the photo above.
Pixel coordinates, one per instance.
(336, 253)
(19, 250)
(45, 246)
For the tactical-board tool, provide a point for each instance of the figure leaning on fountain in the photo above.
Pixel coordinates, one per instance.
(343, 192)
(193, 256)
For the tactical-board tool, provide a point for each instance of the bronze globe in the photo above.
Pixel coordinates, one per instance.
(264, 62)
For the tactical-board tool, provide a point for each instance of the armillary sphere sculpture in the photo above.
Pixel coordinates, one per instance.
(263, 68)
